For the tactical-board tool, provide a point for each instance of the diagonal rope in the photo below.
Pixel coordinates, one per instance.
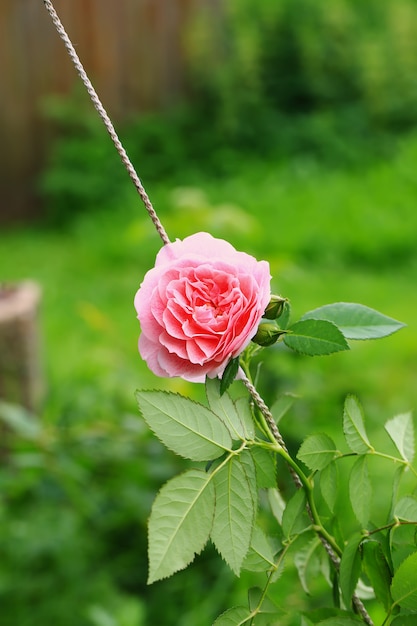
(107, 121)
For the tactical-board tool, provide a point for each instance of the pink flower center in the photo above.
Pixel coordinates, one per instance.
(205, 313)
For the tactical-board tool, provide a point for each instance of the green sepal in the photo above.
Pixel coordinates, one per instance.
(229, 375)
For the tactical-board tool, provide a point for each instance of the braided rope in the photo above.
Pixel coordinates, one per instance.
(107, 122)
(270, 420)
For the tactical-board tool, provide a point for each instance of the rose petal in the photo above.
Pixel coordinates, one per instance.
(199, 306)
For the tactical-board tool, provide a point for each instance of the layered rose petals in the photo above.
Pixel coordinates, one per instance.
(199, 307)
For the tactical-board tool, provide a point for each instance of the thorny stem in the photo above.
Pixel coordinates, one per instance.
(107, 121)
(301, 481)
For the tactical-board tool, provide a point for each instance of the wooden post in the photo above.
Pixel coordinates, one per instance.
(20, 368)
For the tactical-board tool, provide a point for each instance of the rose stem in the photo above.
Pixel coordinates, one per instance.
(107, 121)
(358, 604)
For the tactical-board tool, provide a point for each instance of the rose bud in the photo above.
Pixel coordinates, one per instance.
(267, 334)
(275, 307)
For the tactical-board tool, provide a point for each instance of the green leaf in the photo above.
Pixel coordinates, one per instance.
(350, 566)
(326, 615)
(264, 466)
(293, 520)
(377, 570)
(356, 321)
(282, 405)
(398, 474)
(249, 466)
(245, 415)
(185, 427)
(307, 562)
(360, 490)
(234, 513)
(404, 620)
(401, 430)
(404, 584)
(329, 484)
(260, 557)
(406, 509)
(257, 598)
(268, 618)
(229, 375)
(180, 523)
(277, 504)
(340, 621)
(317, 451)
(402, 541)
(354, 428)
(315, 338)
(224, 408)
(237, 616)
(267, 612)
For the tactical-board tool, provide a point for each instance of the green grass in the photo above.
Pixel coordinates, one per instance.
(329, 235)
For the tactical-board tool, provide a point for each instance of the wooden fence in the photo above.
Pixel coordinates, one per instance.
(131, 49)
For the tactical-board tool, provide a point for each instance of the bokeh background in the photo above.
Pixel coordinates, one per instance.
(288, 128)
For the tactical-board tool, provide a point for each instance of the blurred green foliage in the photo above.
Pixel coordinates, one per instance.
(291, 145)
(296, 78)
(75, 499)
(295, 57)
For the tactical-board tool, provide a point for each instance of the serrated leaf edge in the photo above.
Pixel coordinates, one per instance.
(153, 579)
(398, 325)
(363, 437)
(195, 432)
(237, 569)
(342, 346)
(334, 450)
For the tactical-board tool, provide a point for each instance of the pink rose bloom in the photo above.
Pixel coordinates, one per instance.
(199, 307)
